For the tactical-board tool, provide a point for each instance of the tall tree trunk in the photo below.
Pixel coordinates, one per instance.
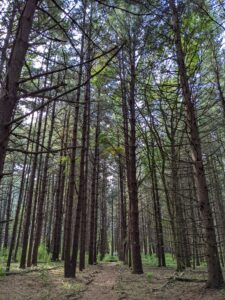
(158, 215)
(7, 41)
(215, 276)
(112, 225)
(8, 211)
(25, 194)
(29, 200)
(178, 234)
(85, 178)
(44, 179)
(103, 216)
(95, 251)
(8, 97)
(57, 230)
(33, 215)
(123, 213)
(133, 187)
(82, 183)
(130, 154)
(93, 187)
(218, 81)
(20, 200)
(68, 265)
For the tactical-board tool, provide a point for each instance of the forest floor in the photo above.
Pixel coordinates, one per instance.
(107, 281)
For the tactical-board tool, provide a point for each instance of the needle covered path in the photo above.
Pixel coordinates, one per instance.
(115, 282)
(104, 283)
(107, 281)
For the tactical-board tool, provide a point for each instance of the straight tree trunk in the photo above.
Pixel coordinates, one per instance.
(215, 276)
(30, 197)
(37, 191)
(95, 251)
(7, 41)
(82, 185)
(8, 211)
(26, 187)
(85, 179)
(158, 215)
(123, 213)
(178, 228)
(218, 81)
(44, 179)
(103, 216)
(130, 154)
(20, 200)
(33, 216)
(57, 230)
(93, 187)
(69, 270)
(133, 187)
(8, 97)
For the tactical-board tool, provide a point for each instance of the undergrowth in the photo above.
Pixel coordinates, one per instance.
(151, 260)
(43, 255)
(149, 276)
(110, 258)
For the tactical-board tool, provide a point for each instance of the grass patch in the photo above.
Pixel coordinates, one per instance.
(2, 272)
(170, 260)
(152, 260)
(110, 258)
(149, 276)
(3, 259)
(4, 253)
(43, 255)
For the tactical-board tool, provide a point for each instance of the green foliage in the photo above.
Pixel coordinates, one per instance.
(149, 276)
(3, 254)
(151, 260)
(19, 252)
(104, 72)
(2, 272)
(170, 260)
(43, 255)
(114, 150)
(3, 258)
(109, 144)
(110, 258)
(64, 159)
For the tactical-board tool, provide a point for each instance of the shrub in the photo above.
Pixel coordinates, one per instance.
(109, 258)
(43, 254)
(149, 276)
(2, 272)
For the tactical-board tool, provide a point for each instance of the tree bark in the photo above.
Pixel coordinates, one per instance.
(93, 187)
(29, 200)
(68, 265)
(215, 276)
(43, 189)
(57, 230)
(133, 187)
(8, 97)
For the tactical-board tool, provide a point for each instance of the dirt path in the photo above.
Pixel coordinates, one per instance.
(103, 285)
(116, 282)
(108, 281)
